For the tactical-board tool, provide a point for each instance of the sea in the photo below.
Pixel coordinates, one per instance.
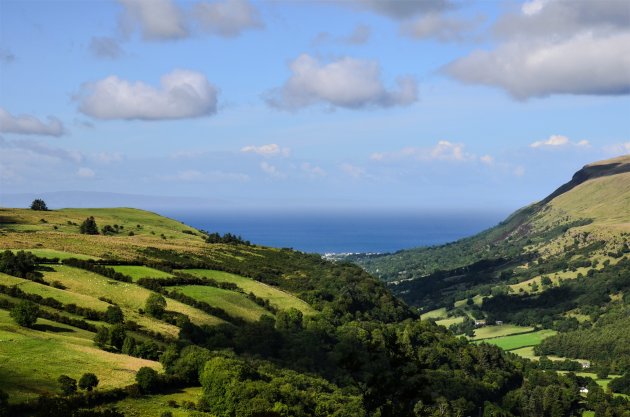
(342, 232)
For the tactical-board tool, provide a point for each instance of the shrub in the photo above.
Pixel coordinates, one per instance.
(67, 385)
(88, 381)
(147, 379)
(89, 227)
(25, 313)
(39, 205)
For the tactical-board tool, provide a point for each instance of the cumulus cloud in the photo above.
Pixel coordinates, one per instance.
(84, 172)
(555, 47)
(156, 19)
(271, 149)
(401, 9)
(346, 82)
(227, 18)
(182, 94)
(29, 125)
(439, 27)
(442, 151)
(558, 141)
(584, 64)
(104, 47)
(271, 170)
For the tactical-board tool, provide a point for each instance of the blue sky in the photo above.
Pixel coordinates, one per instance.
(355, 104)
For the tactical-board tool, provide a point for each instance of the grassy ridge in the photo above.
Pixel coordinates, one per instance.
(277, 297)
(233, 303)
(129, 297)
(28, 369)
(140, 271)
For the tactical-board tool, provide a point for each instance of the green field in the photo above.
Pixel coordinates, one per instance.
(28, 369)
(279, 298)
(519, 340)
(129, 297)
(235, 304)
(45, 291)
(139, 271)
(489, 332)
(440, 313)
(51, 253)
(155, 405)
(450, 321)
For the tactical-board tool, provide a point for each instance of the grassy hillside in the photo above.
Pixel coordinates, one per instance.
(234, 329)
(562, 264)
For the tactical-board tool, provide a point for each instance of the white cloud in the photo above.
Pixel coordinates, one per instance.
(584, 64)
(442, 151)
(558, 141)
(156, 19)
(84, 172)
(618, 149)
(519, 171)
(182, 94)
(347, 82)
(104, 47)
(271, 170)
(486, 159)
(354, 171)
(313, 171)
(29, 125)
(555, 47)
(227, 18)
(271, 149)
(439, 27)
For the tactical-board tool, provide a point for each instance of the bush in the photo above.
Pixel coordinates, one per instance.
(39, 205)
(147, 379)
(67, 385)
(89, 227)
(155, 305)
(88, 381)
(25, 313)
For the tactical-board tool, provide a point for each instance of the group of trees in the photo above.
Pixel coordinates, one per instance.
(68, 386)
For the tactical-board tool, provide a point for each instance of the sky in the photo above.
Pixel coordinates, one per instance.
(353, 104)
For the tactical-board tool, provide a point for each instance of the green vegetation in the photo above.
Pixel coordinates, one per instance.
(235, 304)
(140, 271)
(25, 313)
(89, 227)
(276, 297)
(517, 341)
(39, 205)
(298, 335)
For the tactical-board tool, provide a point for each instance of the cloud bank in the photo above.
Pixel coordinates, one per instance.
(29, 125)
(558, 141)
(182, 94)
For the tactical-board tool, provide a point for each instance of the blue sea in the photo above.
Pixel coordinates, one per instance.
(342, 232)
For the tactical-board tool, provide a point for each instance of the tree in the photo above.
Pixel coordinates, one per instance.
(114, 315)
(25, 313)
(89, 227)
(129, 345)
(39, 205)
(67, 385)
(101, 339)
(88, 381)
(155, 305)
(117, 336)
(147, 379)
